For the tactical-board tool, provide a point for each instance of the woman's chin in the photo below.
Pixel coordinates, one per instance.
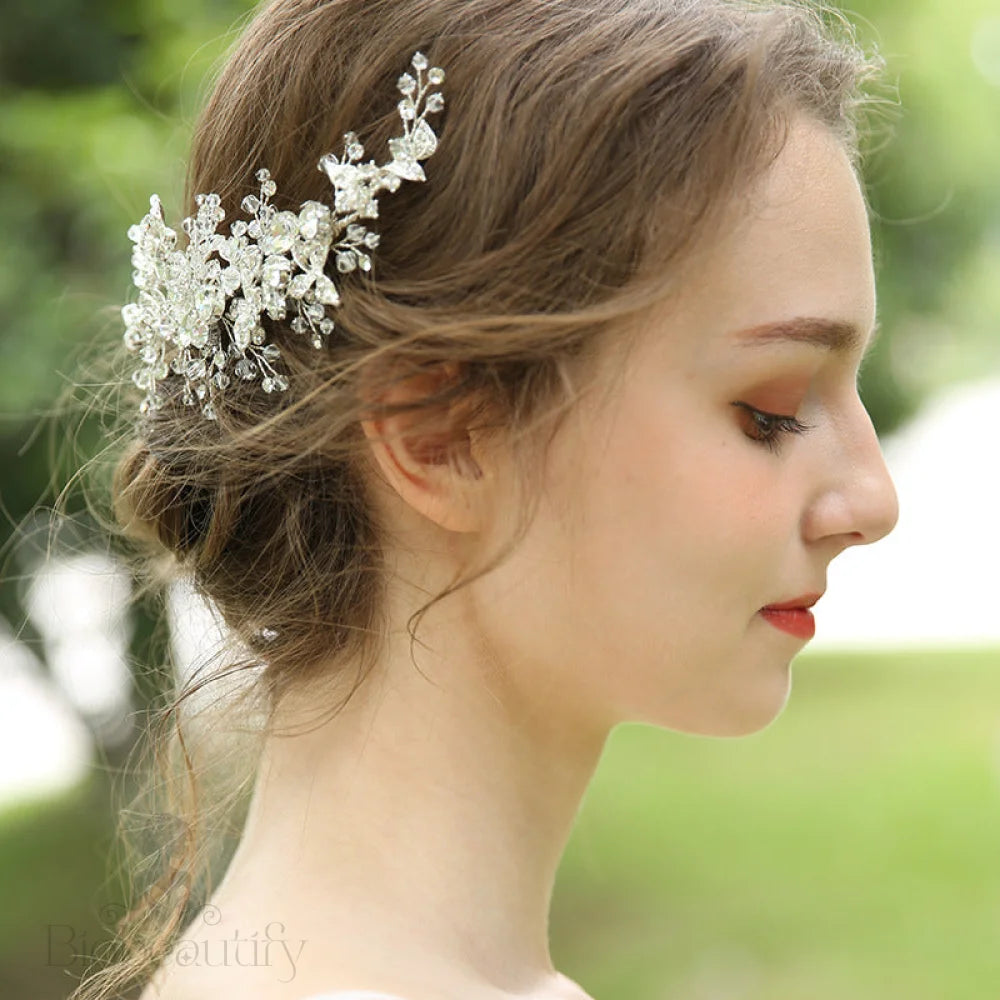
(741, 713)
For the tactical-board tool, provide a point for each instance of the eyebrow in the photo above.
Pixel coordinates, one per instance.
(833, 335)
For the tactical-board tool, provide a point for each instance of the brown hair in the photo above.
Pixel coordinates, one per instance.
(587, 149)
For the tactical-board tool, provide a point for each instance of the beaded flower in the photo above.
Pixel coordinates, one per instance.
(274, 265)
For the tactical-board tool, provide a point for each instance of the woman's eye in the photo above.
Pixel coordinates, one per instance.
(769, 429)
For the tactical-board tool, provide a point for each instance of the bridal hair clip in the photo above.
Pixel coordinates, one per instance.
(275, 264)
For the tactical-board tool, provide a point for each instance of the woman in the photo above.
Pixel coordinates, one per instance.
(589, 420)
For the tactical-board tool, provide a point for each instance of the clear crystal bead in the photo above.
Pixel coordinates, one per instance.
(436, 75)
(299, 325)
(435, 102)
(299, 285)
(275, 271)
(251, 258)
(419, 61)
(229, 278)
(406, 84)
(279, 233)
(245, 369)
(308, 225)
(346, 262)
(241, 335)
(204, 302)
(199, 336)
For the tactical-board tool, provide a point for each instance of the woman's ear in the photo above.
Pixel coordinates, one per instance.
(427, 456)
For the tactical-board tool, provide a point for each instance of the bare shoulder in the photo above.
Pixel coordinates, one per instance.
(187, 984)
(174, 983)
(231, 963)
(229, 951)
(188, 973)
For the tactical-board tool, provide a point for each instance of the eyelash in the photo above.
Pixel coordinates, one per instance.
(776, 427)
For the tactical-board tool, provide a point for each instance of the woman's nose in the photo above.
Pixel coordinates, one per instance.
(861, 503)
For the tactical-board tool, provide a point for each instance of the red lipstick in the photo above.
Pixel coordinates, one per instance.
(793, 616)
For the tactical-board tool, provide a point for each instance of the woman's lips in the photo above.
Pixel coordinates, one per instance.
(796, 621)
(805, 601)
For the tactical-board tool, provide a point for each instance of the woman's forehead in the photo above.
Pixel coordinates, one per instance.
(800, 245)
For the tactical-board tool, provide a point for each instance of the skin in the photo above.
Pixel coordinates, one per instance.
(412, 842)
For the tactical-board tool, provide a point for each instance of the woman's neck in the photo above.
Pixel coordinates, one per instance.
(426, 820)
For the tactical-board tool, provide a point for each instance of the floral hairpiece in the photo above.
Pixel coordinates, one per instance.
(274, 264)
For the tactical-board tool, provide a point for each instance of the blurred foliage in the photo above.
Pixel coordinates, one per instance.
(847, 850)
(935, 192)
(97, 99)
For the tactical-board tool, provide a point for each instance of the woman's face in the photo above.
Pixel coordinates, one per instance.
(669, 521)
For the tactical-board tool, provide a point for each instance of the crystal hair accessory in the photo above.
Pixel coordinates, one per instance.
(273, 265)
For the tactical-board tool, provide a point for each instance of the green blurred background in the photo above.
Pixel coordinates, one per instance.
(847, 851)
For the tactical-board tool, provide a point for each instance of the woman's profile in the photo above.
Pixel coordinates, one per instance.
(574, 448)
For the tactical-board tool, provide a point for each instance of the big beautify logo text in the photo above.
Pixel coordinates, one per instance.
(267, 948)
